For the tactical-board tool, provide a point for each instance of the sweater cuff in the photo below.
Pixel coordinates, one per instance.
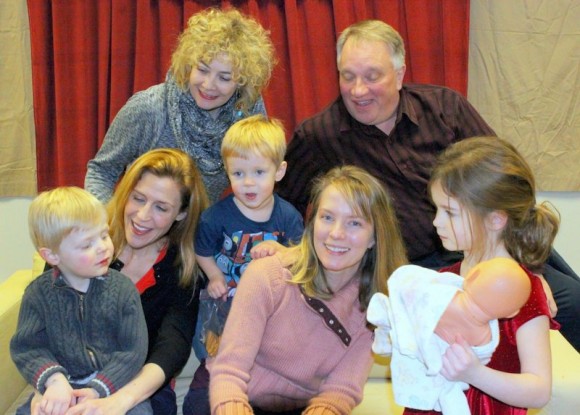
(233, 408)
(320, 410)
(101, 386)
(47, 373)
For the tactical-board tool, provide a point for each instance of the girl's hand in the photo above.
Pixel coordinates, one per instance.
(460, 363)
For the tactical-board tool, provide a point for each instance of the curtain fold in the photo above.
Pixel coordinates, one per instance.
(89, 57)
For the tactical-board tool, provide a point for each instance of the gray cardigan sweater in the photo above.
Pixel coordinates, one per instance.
(97, 339)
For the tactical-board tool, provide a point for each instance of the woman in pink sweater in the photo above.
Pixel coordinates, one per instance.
(296, 340)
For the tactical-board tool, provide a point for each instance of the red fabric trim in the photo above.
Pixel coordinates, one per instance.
(148, 280)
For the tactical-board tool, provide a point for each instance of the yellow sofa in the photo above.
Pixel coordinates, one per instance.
(378, 398)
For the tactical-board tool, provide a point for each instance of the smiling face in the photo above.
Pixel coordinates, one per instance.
(369, 84)
(253, 179)
(152, 207)
(84, 253)
(211, 84)
(341, 237)
(452, 221)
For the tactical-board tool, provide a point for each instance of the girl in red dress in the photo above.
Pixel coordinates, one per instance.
(484, 192)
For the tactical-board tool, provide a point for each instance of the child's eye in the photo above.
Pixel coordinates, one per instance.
(225, 78)
(260, 172)
(236, 174)
(202, 69)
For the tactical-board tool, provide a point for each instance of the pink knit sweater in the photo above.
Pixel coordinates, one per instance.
(278, 353)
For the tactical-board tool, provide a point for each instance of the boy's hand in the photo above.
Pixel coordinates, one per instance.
(266, 248)
(58, 396)
(217, 288)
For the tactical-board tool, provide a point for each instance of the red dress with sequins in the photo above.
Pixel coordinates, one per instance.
(505, 358)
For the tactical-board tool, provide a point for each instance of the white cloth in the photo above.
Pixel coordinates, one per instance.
(405, 324)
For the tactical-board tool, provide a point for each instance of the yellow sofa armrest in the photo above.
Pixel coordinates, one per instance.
(11, 292)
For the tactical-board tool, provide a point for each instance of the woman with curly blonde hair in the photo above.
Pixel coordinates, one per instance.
(222, 63)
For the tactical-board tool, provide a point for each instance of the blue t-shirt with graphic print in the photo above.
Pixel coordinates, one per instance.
(227, 235)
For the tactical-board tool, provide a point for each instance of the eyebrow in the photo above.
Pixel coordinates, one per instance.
(449, 207)
(154, 201)
(221, 72)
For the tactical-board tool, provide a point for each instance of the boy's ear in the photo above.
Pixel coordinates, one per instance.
(49, 256)
(281, 171)
(496, 220)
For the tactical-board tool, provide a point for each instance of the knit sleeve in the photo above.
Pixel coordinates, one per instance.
(29, 347)
(137, 124)
(343, 388)
(128, 357)
(252, 306)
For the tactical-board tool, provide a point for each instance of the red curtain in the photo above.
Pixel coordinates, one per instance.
(89, 57)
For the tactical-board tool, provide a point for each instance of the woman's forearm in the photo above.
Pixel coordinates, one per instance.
(145, 384)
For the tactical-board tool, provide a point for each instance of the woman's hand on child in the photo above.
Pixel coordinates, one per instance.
(460, 363)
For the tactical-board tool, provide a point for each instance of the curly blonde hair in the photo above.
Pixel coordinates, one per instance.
(242, 39)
